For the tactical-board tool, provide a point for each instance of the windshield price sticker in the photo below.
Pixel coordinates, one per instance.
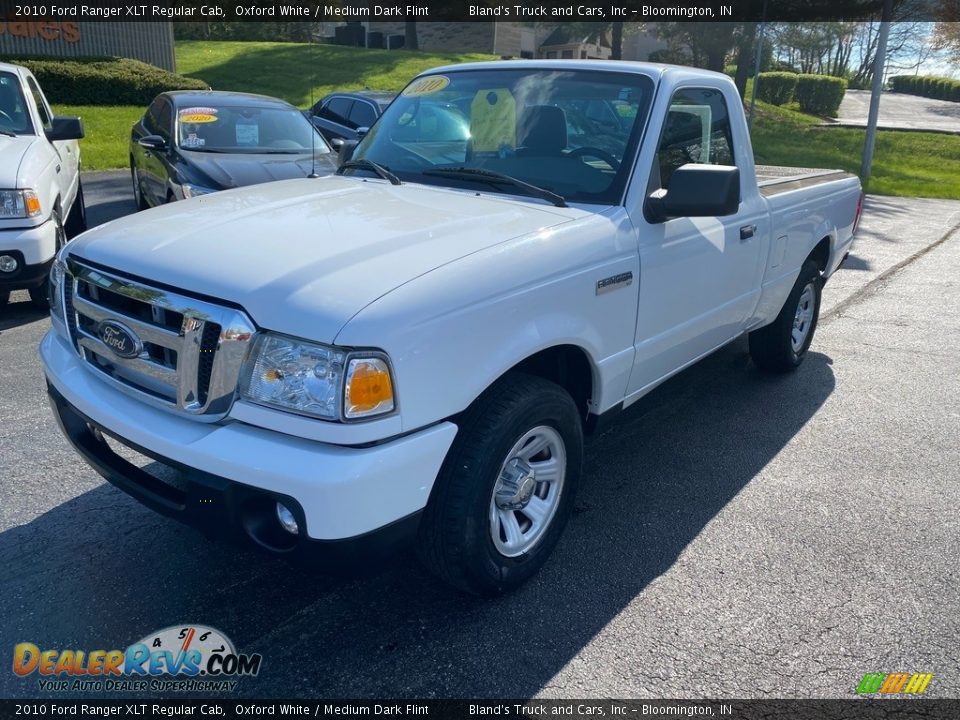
(427, 85)
(198, 115)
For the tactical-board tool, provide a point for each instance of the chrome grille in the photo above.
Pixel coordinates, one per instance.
(188, 352)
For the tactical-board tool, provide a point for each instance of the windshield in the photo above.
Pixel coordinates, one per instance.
(238, 129)
(14, 116)
(567, 131)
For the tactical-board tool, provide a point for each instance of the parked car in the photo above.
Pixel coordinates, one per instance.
(191, 143)
(413, 350)
(340, 115)
(41, 197)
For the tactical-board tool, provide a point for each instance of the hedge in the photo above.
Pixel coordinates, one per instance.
(820, 94)
(777, 88)
(104, 81)
(927, 86)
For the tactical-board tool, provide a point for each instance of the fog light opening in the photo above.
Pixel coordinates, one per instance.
(8, 263)
(287, 521)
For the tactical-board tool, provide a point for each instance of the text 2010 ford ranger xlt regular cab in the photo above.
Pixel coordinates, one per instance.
(415, 349)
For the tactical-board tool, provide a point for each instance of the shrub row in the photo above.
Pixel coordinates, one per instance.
(816, 94)
(776, 88)
(104, 81)
(927, 86)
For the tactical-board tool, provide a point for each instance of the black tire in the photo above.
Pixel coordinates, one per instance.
(38, 293)
(455, 540)
(77, 219)
(138, 198)
(772, 347)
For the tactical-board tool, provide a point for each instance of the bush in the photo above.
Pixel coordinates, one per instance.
(820, 94)
(777, 88)
(925, 86)
(104, 81)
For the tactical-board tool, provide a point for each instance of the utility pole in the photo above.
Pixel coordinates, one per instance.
(879, 64)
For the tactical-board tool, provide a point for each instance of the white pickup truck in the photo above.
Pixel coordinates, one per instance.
(41, 200)
(414, 350)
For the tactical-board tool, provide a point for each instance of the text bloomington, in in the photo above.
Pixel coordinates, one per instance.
(595, 11)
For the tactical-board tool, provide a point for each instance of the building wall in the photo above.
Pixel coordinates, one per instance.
(151, 42)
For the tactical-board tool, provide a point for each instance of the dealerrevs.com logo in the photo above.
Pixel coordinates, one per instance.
(894, 683)
(177, 658)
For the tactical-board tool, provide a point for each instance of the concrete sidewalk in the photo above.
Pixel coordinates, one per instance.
(900, 112)
(893, 231)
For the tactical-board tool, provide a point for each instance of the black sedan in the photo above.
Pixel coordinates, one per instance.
(339, 115)
(194, 143)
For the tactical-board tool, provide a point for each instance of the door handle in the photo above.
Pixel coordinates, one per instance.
(747, 231)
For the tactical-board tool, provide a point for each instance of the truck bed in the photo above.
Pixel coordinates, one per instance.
(776, 179)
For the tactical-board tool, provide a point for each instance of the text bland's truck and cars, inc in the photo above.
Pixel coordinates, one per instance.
(414, 349)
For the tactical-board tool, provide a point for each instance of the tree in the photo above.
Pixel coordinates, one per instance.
(410, 40)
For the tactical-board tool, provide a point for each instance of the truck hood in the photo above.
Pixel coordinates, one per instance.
(304, 256)
(12, 151)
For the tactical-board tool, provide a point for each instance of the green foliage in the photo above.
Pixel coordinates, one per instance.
(938, 88)
(908, 164)
(777, 88)
(299, 72)
(104, 81)
(820, 94)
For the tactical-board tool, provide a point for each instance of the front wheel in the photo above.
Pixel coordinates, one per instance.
(38, 294)
(77, 218)
(506, 488)
(782, 345)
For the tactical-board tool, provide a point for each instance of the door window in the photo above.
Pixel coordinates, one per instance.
(46, 117)
(337, 110)
(165, 121)
(362, 114)
(697, 130)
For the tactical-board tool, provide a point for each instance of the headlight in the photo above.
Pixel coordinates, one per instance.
(190, 190)
(317, 380)
(19, 204)
(58, 271)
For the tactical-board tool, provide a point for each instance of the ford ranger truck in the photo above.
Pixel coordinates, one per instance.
(414, 349)
(41, 199)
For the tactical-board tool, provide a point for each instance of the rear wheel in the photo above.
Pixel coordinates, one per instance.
(782, 345)
(505, 491)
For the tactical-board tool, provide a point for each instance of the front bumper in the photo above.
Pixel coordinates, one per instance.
(34, 249)
(233, 473)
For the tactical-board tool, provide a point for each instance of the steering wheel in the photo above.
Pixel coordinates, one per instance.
(4, 116)
(597, 153)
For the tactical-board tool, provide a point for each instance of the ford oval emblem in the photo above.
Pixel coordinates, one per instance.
(120, 339)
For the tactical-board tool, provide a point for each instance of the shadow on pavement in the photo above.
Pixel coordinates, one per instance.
(102, 571)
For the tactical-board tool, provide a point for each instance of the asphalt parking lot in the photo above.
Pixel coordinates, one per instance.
(736, 535)
(899, 111)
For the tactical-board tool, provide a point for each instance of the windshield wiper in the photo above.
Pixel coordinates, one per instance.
(8, 133)
(369, 165)
(494, 178)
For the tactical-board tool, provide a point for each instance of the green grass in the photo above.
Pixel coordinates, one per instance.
(107, 133)
(905, 163)
(295, 72)
(290, 70)
(909, 164)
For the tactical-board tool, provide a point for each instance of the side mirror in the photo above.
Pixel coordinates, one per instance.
(346, 150)
(336, 143)
(696, 191)
(152, 142)
(66, 128)
(361, 131)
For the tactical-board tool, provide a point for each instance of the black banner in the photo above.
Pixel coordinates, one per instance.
(857, 709)
(468, 10)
